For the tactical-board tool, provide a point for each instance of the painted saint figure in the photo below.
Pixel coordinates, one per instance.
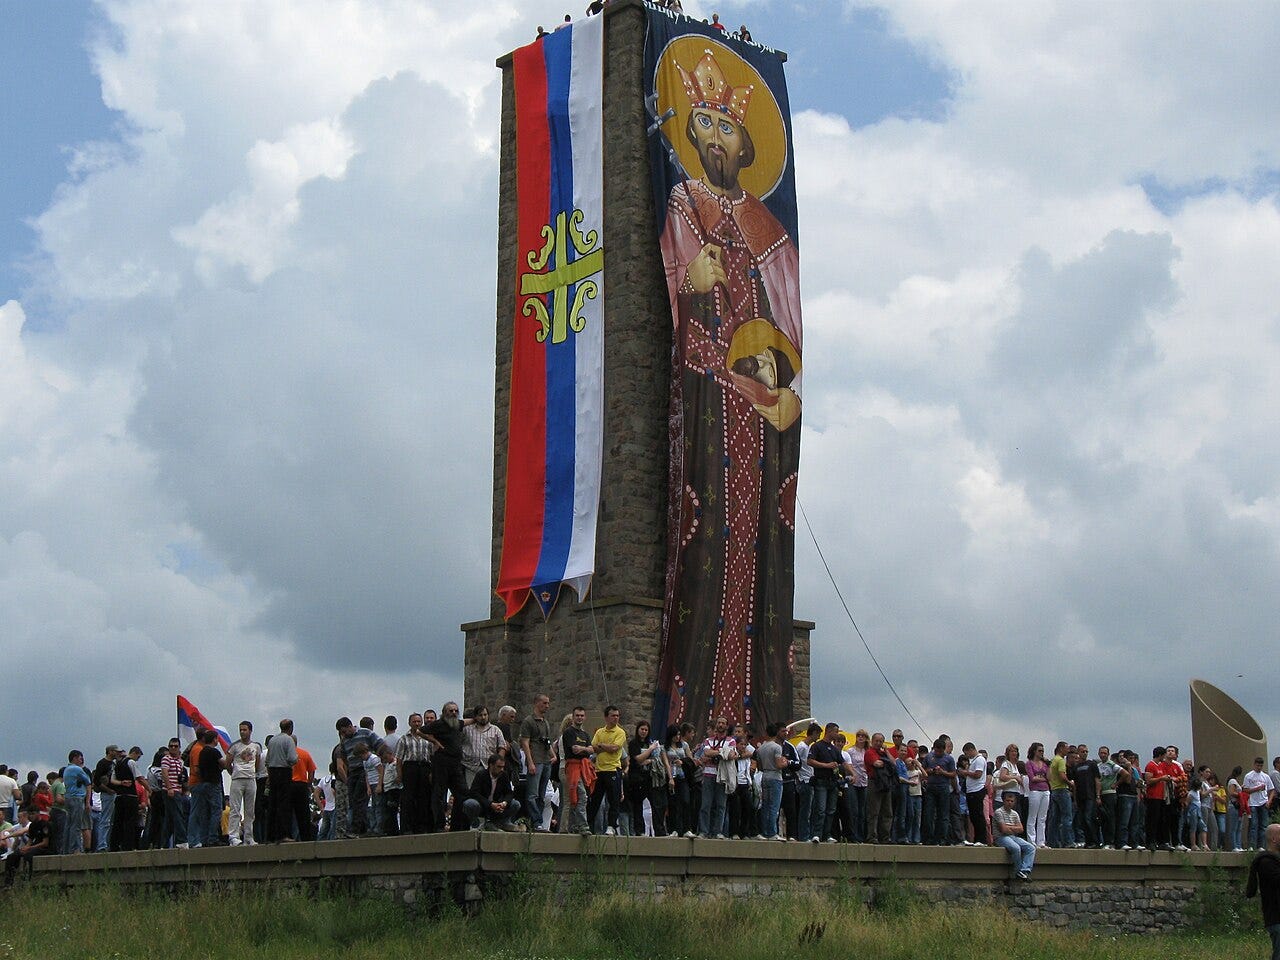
(733, 280)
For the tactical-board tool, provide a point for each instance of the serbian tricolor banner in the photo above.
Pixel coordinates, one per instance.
(555, 427)
(190, 720)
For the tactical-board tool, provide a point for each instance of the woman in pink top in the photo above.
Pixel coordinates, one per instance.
(1038, 797)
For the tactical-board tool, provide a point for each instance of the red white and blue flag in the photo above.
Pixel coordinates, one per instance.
(190, 720)
(555, 424)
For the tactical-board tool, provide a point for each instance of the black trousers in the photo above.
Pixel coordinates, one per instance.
(156, 821)
(448, 776)
(416, 815)
(1157, 832)
(977, 815)
(124, 823)
(608, 784)
(789, 808)
(279, 782)
(300, 809)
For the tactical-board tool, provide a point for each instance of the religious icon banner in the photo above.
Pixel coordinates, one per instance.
(724, 191)
(555, 420)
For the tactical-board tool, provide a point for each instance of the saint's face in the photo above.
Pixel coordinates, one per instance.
(720, 144)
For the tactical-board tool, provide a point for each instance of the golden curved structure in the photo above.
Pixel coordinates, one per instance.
(1223, 733)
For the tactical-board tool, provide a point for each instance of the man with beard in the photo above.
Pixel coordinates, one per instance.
(733, 281)
(447, 773)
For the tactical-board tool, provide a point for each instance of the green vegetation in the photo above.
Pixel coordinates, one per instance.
(107, 923)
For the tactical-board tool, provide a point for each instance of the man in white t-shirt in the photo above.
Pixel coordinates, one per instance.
(326, 799)
(10, 794)
(1261, 791)
(248, 761)
(975, 791)
(804, 784)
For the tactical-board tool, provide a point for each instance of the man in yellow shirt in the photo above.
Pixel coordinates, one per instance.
(609, 746)
(1061, 816)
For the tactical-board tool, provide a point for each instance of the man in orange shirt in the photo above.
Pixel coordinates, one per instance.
(304, 772)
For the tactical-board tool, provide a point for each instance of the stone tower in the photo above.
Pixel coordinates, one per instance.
(607, 648)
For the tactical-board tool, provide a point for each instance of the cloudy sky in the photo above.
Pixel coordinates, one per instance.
(246, 336)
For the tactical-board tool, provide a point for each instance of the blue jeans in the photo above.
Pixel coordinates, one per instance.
(714, 803)
(1022, 853)
(901, 819)
(535, 788)
(175, 820)
(1258, 824)
(1190, 823)
(1233, 828)
(826, 794)
(205, 821)
(915, 807)
(1061, 833)
(102, 834)
(1126, 820)
(804, 809)
(770, 801)
(857, 800)
(1274, 930)
(937, 815)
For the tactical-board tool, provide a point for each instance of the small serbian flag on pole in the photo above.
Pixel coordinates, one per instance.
(555, 425)
(190, 719)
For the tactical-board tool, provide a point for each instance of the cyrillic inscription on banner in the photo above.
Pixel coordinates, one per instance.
(557, 384)
(724, 190)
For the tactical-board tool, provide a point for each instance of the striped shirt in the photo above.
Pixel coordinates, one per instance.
(413, 749)
(171, 769)
(479, 744)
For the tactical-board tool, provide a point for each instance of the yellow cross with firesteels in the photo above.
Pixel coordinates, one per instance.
(562, 317)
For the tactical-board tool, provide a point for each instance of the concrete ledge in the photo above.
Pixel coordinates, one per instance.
(673, 860)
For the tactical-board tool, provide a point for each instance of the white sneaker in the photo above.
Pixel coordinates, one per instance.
(759, 836)
(234, 842)
(182, 846)
(831, 840)
(689, 834)
(815, 839)
(1237, 850)
(721, 836)
(610, 832)
(250, 842)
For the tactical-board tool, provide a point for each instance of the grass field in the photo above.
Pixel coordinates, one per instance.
(106, 924)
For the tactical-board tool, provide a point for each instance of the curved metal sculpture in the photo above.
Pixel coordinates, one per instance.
(1223, 734)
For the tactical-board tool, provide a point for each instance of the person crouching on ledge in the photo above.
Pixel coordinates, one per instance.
(1009, 827)
(492, 799)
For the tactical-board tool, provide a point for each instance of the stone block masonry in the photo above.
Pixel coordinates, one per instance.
(1111, 890)
(606, 649)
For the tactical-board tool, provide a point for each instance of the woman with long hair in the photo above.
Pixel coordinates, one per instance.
(1237, 812)
(643, 752)
(1037, 794)
(680, 763)
(1007, 778)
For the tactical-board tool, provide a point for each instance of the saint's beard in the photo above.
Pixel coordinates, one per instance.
(721, 173)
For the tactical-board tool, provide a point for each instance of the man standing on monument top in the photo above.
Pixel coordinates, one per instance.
(733, 280)
(535, 743)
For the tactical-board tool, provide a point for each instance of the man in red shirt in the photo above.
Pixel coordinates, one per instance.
(1175, 795)
(1157, 780)
(304, 772)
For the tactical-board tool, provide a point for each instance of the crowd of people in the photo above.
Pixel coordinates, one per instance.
(799, 783)
(597, 7)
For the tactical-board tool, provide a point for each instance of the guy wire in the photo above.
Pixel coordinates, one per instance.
(849, 614)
